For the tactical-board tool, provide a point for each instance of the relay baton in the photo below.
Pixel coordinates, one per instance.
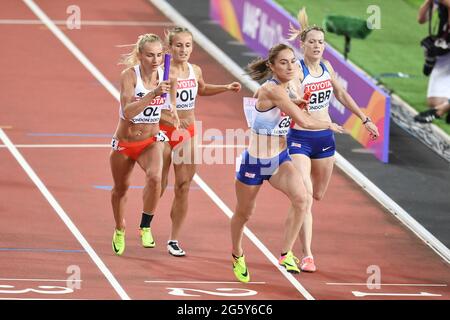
(306, 97)
(166, 70)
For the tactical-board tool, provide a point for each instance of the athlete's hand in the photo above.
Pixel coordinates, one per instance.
(234, 86)
(163, 87)
(336, 128)
(176, 120)
(373, 130)
(184, 123)
(174, 115)
(302, 103)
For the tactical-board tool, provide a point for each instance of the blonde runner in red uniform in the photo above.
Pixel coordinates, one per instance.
(182, 142)
(137, 138)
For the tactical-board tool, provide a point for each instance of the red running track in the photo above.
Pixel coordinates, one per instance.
(48, 97)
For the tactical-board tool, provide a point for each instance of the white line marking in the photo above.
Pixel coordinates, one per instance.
(388, 284)
(234, 69)
(90, 23)
(39, 280)
(59, 210)
(341, 162)
(421, 294)
(201, 282)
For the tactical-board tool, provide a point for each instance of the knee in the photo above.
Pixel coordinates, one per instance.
(318, 195)
(182, 187)
(119, 191)
(244, 213)
(241, 216)
(299, 201)
(153, 179)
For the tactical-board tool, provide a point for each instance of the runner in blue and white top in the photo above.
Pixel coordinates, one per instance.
(312, 151)
(266, 157)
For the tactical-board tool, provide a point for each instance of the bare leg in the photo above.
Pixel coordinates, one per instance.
(121, 168)
(288, 180)
(184, 168)
(151, 162)
(167, 160)
(321, 170)
(246, 197)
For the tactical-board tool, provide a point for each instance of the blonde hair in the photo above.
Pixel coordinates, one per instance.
(131, 59)
(173, 32)
(302, 19)
(259, 69)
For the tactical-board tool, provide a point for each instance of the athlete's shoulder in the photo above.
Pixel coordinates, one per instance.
(128, 74)
(269, 90)
(328, 65)
(196, 68)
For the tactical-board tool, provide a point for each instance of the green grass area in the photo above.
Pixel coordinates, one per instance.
(395, 47)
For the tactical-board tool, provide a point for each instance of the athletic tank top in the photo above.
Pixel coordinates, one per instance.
(152, 113)
(272, 122)
(187, 91)
(320, 87)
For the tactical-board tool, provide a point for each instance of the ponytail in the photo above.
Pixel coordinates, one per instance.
(131, 59)
(302, 19)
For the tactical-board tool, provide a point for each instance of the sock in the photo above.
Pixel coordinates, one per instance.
(235, 258)
(146, 220)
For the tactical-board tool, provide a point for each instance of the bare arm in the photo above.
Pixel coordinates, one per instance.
(447, 4)
(343, 97)
(207, 89)
(173, 79)
(277, 96)
(422, 17)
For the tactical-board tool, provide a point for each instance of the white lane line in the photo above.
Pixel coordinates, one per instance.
(40, 280)
(388, 284)
(378, 294)
(90, 23)
(202, 282)
(59, 210)
(231, 66)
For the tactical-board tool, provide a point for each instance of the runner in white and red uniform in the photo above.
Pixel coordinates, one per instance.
(137, 138)
(182, 142)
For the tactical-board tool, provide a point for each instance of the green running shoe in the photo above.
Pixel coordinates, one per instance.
(240, 269)
(147, 238)
(118, 242)
(289, 261)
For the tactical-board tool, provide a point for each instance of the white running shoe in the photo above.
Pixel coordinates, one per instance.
(174, 249)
